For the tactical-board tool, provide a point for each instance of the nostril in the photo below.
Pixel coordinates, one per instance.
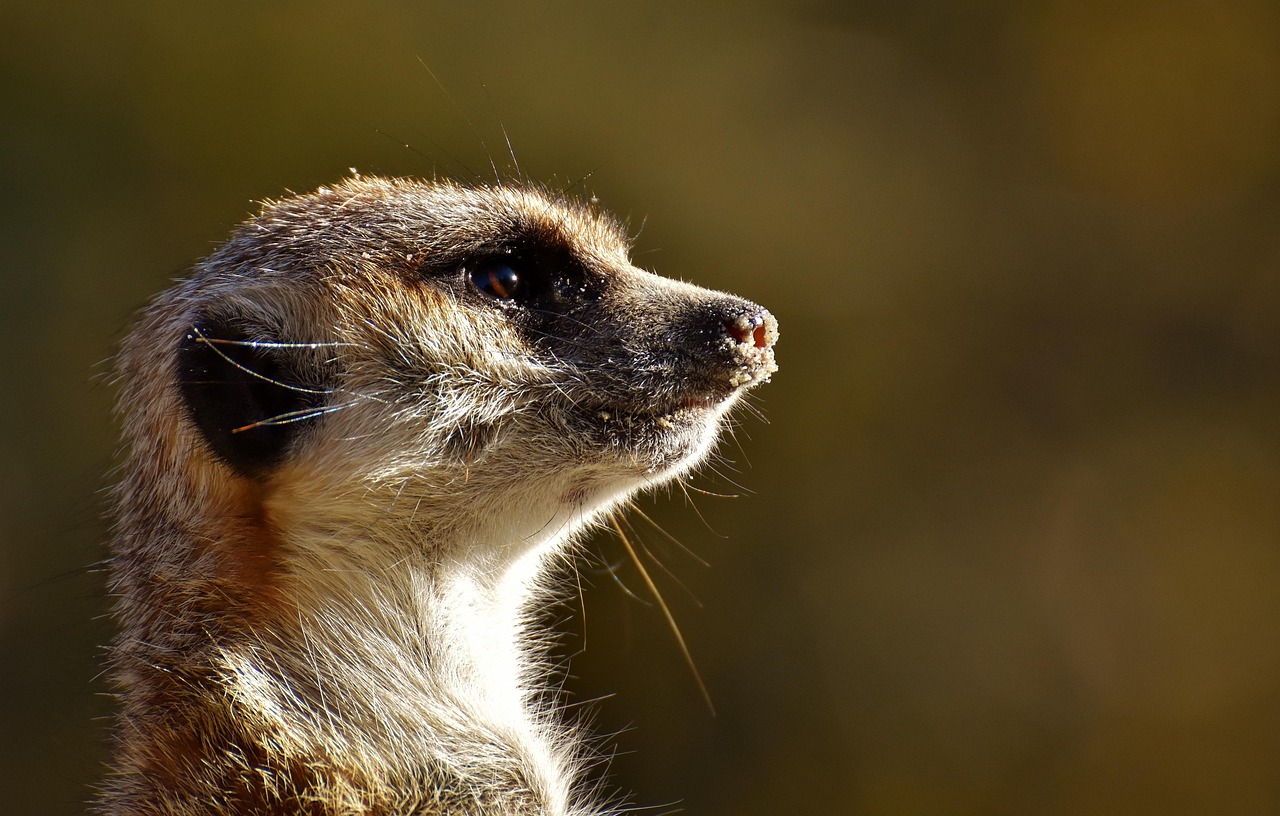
(751, 328)
(760, 336)
(743, 329)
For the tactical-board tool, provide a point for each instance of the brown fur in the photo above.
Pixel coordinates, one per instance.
(333, 622)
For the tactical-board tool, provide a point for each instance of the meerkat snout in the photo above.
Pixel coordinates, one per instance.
(360, 434)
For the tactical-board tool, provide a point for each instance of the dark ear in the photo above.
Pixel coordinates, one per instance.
(244, 396)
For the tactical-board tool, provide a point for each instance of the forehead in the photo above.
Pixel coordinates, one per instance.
(375, 226)
(468, 219)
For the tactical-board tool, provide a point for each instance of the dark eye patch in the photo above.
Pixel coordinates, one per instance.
(540, 279)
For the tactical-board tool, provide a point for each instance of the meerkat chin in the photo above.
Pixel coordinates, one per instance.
(358, 437)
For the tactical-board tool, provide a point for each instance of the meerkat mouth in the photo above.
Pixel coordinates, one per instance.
(693, 401)
(687, 417)
(661, 417)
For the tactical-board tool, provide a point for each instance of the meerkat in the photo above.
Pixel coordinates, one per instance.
(359, 437)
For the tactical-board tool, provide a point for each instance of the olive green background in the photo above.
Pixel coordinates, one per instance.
(1009, 541)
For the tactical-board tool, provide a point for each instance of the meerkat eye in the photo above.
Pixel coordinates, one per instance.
(499, 279)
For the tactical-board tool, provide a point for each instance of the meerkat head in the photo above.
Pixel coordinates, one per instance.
(486, 362)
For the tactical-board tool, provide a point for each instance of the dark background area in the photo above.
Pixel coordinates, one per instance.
(1010, 540)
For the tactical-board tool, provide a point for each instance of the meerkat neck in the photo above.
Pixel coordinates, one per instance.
(375, 672)
(456, 627)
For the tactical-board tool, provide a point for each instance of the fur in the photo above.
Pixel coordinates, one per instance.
(324, 609)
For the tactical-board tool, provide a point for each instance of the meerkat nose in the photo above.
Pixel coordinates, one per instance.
(757, 327)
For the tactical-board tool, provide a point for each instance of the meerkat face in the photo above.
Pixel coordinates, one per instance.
(439, 340)
(637, 368)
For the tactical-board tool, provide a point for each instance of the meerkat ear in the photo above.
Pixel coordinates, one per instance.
(244, 395)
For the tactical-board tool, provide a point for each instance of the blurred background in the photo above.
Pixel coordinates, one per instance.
(1009, 541)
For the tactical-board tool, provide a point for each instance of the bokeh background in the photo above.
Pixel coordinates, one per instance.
(1009, 541)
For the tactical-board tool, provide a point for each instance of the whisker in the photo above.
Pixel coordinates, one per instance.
(685, 488)
(612, 570)
(300, 415)
(506, 137)
(270, 344)
(201, 338)
(666, 613)
(635, 508)
(645, 548)
(497, 177)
